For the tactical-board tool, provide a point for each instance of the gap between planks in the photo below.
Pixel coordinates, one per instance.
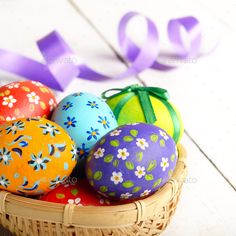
(209, 159)
(121, 59)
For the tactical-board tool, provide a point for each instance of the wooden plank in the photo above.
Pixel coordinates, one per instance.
(203, 90)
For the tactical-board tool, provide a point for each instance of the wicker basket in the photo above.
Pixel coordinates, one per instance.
(150, 216)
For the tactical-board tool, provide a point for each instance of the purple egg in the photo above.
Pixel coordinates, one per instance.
(131, 161)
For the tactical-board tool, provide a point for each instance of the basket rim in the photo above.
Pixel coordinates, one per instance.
(112, 216)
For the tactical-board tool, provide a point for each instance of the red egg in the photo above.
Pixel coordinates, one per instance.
(79, 193)
(25, 99)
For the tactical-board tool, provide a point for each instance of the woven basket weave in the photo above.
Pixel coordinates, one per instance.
(150, 216)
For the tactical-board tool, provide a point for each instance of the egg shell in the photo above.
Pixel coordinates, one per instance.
(132, 112)
(35, 156)
(86, 118)
(25, 99)
(131, 162)
(79, 193)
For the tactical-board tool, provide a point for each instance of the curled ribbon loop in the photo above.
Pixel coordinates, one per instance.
(192, 27)
(59, 69)
(57, 55)
(141, 58)
(56, 74)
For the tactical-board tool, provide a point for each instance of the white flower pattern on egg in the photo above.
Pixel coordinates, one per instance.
(164, 163)
(145, 193)
(76, 201)
(99, 153)
(9, 101)
(164, 135)
(13, 85)
(116, 177)
(10, 118)
(140, 171)
(126, 195)
(122, 154)
(33, 98)
(115, 133)
(141, 142)
(38, 84)
(51, 104)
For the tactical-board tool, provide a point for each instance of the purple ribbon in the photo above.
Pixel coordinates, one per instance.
(59, 69)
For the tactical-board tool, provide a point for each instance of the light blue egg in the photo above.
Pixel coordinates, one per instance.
(86, 118)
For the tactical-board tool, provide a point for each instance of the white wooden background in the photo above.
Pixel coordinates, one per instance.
(204, 91)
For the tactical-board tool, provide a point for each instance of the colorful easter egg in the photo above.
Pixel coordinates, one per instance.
(86, 118)
(79, 193)
(131, 161)
(146, 104)
(25, 99)
(36, 155)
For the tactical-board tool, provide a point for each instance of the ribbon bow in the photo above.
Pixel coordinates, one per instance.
(62, 65)
(144, 94)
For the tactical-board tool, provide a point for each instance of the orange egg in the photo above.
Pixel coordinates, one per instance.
(36, 155)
